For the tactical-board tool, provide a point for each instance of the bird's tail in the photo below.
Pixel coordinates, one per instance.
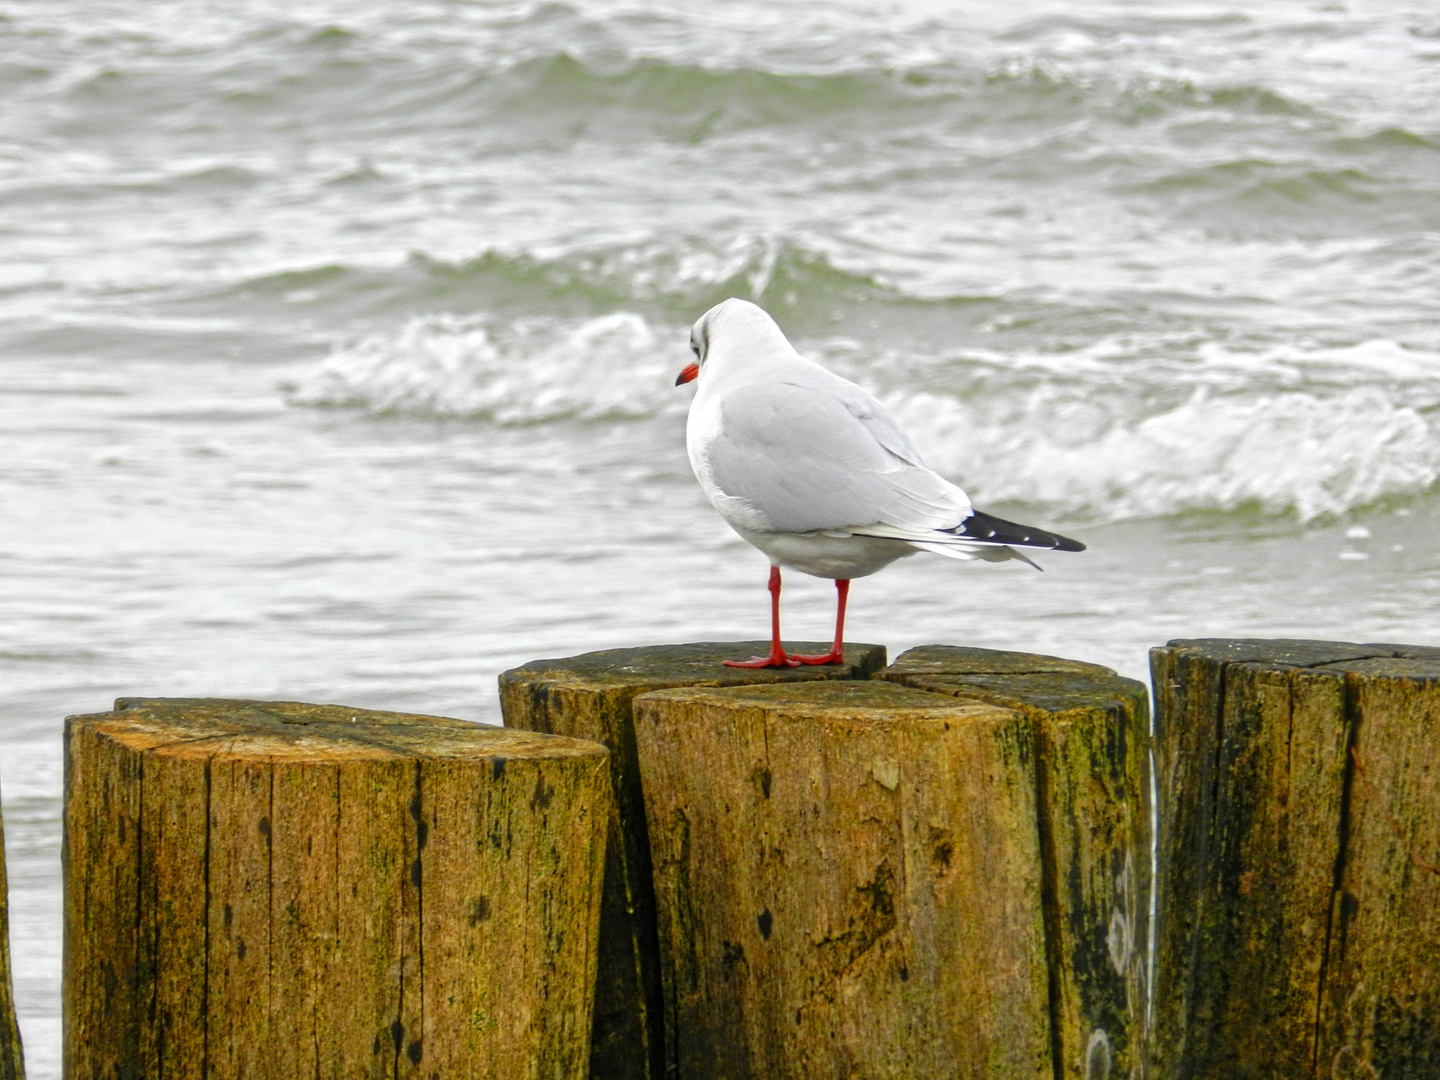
(979, 536)
(986, 528)
(987, 552)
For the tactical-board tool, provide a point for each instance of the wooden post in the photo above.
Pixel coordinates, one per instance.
(271, 889)
(1094, 810)
(848, 882)
(1299, 860)
(12, 1060)
(589, 697)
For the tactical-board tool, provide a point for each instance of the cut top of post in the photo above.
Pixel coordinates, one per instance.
(297, 732)
(874, 702)
(964, 660)
(1293, 652)
(1039, 686)
(699, 663)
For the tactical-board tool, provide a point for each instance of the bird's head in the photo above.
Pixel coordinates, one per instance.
(732, 327)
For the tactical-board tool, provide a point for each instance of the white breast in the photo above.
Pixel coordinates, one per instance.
(701, 431)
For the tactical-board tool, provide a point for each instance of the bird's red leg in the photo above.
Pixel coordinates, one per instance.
(836, 655)
(777, 657)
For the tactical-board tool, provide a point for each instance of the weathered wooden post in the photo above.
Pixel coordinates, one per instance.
(12, 1061)
(1091, 730)
(848, 879)
(1299, 861)
(270, 889)
(590, 696)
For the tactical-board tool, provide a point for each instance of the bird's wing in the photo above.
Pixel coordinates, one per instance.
(814, 451)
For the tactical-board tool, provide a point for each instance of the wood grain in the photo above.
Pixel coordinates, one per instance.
(1091, 732)
(273, 889)
(848, 883)
(589, 696)
(1299, 931)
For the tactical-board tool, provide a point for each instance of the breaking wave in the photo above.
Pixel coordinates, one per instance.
(1312, 433)
(480, 368)
(1102, 435)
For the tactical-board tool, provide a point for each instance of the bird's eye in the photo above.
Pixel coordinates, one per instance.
(695, 349)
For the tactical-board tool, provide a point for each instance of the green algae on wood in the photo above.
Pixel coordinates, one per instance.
(283, 889)
(1091, 730)
(1299, 859)
(969, 660)
(589, 696)
(848, 883)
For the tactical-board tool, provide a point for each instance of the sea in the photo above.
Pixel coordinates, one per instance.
(338, 340)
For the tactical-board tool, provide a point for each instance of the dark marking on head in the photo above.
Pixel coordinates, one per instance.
(700, 339)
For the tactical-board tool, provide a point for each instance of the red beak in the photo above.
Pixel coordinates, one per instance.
(687, 373)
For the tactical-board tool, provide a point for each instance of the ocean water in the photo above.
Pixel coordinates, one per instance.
(337, 341)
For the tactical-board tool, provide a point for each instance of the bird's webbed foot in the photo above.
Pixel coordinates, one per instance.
(777, 658)
(834, 656)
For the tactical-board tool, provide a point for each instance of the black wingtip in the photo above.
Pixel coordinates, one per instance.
(993, 530)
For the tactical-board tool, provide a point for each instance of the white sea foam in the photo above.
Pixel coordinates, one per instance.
(1107, 433)
(1310, 432)
(522, 372)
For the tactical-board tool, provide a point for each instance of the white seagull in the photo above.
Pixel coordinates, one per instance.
(811, 469)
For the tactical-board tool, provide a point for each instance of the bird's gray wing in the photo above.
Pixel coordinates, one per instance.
(821, 453)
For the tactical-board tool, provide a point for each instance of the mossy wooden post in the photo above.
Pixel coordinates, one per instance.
(1093, 812)
(589, 696)
(271, 889)
(848, 883)
(1299, 860)
(12, 1061)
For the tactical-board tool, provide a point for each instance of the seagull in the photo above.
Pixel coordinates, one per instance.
(813, 471)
